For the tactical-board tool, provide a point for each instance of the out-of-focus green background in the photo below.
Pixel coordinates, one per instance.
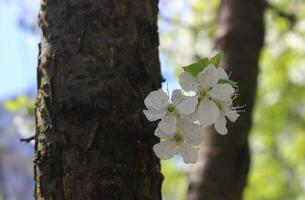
(187, 29)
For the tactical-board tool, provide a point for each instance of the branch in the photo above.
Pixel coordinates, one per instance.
(290, 17)
(29, 139)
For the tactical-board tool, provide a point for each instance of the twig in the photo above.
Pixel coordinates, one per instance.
(29, 139)
(290, 17)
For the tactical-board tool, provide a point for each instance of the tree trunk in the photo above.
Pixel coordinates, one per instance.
(98, 60)
(223, 167)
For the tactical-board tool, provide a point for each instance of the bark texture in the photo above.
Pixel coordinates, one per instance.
(98, 60)
(222, 170)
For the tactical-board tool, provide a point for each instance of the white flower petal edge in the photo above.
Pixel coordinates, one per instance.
(188, 153)
(153, 115)
(226, 111)
(208, 77)
(232, 115)
(161, 134)
(208, 112)
(193, 133)
(192, 117)
(176, 96)
(156, 100)
(188, 82)
(220, 125)
(222, 91)
(168, 124)
(187, 105)
(165, 150)
(222, 73)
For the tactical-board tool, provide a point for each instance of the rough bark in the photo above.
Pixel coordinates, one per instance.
(98, 60)
(223, 167)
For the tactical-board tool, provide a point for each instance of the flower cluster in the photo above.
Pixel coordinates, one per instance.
(183, 116)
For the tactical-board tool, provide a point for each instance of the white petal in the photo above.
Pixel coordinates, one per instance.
(188, 153)
(187, 105)
(208, 77)
(165, 150)
(222, 73)
(194, 117)
(232, 115)
(188, 82)
(161, 134)
(208, 112)
(176, 96)
(193, 133)
(153, 115)
(168, 124)
(156, 100)
(220, 125)
(222, 91)
(227, 103)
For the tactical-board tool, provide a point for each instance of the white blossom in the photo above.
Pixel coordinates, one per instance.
(226, 110)
(207, 88)
(160, 107)
(183, 142)
(181, 117)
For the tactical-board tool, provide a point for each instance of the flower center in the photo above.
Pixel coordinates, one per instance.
(202, 93)
(178, 138)
(171, 109)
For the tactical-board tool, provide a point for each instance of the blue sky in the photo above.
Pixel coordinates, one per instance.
(19, 49)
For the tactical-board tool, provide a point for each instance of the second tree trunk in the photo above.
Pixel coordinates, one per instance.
(221, 173)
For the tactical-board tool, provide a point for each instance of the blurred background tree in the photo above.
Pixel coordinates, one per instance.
(187, 31)
(277, 137)
(222, 170)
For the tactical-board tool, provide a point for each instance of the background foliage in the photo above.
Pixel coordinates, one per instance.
(187, 30)
(278, 134)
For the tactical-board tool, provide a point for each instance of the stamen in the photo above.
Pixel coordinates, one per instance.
(179, 138)
(167, 90)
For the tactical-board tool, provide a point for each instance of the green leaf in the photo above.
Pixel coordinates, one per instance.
(16, 104)
(226, 81)
(197, 67)
(20, 103)
(216, 59)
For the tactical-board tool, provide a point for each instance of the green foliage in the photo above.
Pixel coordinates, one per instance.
(198, 66)
(230, 82)
(278, 134)
(215, 60)
(20, 104)
(175, 183)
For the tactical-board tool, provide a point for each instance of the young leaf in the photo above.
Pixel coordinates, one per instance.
(216, 59)
(197, 67)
